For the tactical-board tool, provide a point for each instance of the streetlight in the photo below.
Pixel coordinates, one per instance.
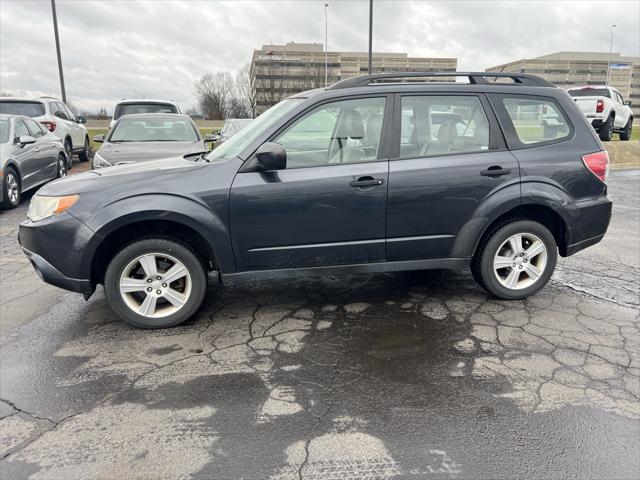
(55, 33)
(370, 36)
(326, 47)
(610, 51)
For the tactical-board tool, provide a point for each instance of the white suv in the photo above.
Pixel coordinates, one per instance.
(59, 120)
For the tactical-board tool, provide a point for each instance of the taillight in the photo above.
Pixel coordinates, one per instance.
(599, 106)
(51, 126)
(598, 164)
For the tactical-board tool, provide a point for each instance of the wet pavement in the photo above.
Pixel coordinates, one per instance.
(404, 375)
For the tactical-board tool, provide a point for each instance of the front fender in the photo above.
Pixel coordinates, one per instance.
(166, 207)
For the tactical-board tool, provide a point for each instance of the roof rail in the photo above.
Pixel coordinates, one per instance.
(477, 78)
(49, 97)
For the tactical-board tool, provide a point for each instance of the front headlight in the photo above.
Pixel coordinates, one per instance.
(42, 207)
(99, 161)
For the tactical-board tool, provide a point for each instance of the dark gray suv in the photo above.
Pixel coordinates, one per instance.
(373, 174)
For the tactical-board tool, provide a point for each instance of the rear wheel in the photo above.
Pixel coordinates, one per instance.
(62, 167)
(155, 283)
(606, 130)
(68, 150)
(84, 155)
(10, 189)
(626, 133)
(517, 260)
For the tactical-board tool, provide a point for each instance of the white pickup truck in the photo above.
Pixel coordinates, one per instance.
(605, 109)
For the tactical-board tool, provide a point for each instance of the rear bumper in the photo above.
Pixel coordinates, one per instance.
(596, 123)
(588, 225)
(49, 274)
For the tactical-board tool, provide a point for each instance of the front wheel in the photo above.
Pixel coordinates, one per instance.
(155, 283)
(626, 133)
(10, 189)
(517, 260)
(68, 151)
(62, 167)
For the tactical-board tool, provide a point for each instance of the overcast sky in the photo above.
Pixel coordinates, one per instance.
(157, 49)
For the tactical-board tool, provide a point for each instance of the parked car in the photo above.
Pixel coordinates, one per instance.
(605, 108)
(29, 156)
(59, 120)
(143, 137)
(230, 127)
(133, 106)
(349, 197)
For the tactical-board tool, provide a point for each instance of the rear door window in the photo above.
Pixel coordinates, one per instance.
(533, 121)
(21, 129)
(59, 111)
(28, 109)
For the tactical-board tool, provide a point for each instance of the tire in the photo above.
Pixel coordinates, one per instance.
(61, 169)
(606, 130)
(626, 133)
(533, 272)
(161, 254)
(68, 150)
(11, 190)
(84, 155)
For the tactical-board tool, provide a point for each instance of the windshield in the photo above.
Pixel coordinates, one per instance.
(231, 127)
(132, 108)
(28, 109)
(156, 129)
(590, 92)
(253, 130)
(4, 130)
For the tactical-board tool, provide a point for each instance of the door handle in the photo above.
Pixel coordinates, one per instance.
(36, 149)
(495, 171)
(366, 182)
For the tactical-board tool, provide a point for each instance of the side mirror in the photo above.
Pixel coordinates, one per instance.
(98, 138)
(271, 156)
(211, 138)
(628, 103)
(81, 120)
(26, 140)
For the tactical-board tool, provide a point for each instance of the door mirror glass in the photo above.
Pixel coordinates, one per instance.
(628, 103)
(81, 120)
(98, 138)
(26, 140)
(271, 156)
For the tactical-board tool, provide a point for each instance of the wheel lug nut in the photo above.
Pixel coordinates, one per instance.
(149, 280)
(158, 277)
(514, 264)
(160, 291)
(149, 289)
(164, 285)
(520, 267)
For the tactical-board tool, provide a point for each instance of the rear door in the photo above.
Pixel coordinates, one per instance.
(46, 147)
(328, 206)
(449, 157)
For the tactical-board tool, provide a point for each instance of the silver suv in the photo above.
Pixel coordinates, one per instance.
(59, 120)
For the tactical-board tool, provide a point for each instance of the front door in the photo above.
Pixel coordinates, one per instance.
(328, 206)
(446, 162)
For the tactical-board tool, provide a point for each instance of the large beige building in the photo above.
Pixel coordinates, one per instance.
(573, 69)
(278, 71)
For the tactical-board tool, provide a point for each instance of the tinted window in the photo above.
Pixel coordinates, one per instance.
(536, 121)
(160, 129)
(28, 109)
(438, 125)
(35, 129)
(590, 92)
(4, 130)
(59, 111)
(21, 129)
(347, 131)
(132, 108)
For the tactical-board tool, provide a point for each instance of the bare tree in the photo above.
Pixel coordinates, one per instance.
(213, 92)
(102, 114)
(244, 90)
(312, 76)
(270, 84)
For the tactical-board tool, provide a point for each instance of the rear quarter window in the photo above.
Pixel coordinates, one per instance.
(533, 121)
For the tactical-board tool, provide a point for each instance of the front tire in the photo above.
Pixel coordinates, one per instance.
(155, 283)
(626, 133)
(68, 151)
(84, 155)
(517, 260)
(62, 167)
(606, 130)
(11, 189)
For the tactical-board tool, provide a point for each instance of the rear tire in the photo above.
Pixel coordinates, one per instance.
(84, 155)
(11, 188)
(516, 260)
(155, 283)
(606, 130)
(626, 133)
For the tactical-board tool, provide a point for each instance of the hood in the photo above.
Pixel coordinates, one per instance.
(121, 175)
(145, 151)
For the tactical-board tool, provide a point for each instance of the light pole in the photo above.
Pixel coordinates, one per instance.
(326, 48)
(55, 32)
(370, 36)
(610, 51)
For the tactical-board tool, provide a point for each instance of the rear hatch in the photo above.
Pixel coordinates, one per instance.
(587, 105)
(587, 99)
(28, 108)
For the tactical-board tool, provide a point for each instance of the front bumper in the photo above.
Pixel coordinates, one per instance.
(49, 274)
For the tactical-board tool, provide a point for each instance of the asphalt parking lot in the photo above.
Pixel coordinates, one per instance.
(405, 375)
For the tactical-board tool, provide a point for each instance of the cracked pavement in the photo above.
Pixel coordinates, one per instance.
(404, 375)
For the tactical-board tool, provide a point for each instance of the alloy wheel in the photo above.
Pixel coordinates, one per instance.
(155, 285)
(13, 188)
(520, 261)
(62, 168)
